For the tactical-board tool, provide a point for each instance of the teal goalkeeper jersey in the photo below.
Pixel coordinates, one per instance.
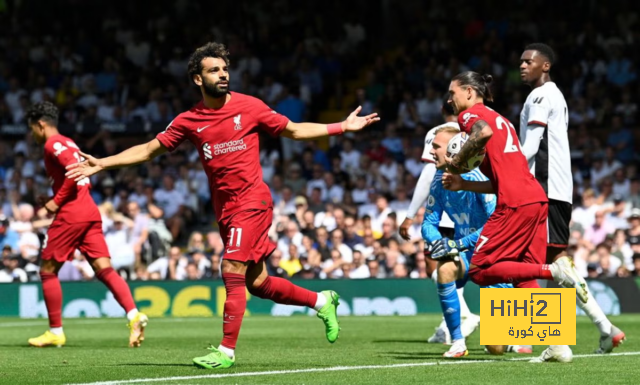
(469, 211)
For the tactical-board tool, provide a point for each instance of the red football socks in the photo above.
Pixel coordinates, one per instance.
(509, 272)
(52, 293)
(118, 287)
(282, 291)
(527, 285)
(234, 308)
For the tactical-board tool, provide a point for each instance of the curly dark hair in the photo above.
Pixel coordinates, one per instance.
(480, 83)
(46, 111)
(544, 49)
(211, 49)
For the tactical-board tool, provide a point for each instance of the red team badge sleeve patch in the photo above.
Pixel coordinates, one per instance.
(172, 136)
(64, 157)
(467, 119)
(269, 121)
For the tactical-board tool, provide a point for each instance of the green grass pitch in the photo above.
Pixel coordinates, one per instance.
(371, 350)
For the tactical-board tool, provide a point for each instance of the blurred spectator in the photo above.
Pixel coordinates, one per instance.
(634, 192)
(359, 268)
(171, 202)
(140, 230)
(619, 213)
(633, 233)
(11, 271)
(292, 265)
(273, 265)
(585, 214)
(337, 242)
(171, 267)
(636, 265)
(8, 237)
(600, 229)
(621, 140)
(192, 272)
(78, 269)
(608, 264)
(292, 236)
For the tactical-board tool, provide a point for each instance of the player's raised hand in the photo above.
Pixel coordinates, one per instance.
(451, 182)
(84, 169)
(357, 123)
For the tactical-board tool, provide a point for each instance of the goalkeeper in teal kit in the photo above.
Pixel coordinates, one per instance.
(469, 212)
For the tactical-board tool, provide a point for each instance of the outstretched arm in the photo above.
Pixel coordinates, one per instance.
(132, 156)
(305, 131)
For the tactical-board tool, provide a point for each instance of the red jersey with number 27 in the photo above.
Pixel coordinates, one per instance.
(227, 140)
(73, 198)
(504, 164)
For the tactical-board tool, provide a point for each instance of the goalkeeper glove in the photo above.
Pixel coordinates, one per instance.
(446, 247)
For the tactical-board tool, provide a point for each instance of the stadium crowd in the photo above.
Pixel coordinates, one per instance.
(337, 206)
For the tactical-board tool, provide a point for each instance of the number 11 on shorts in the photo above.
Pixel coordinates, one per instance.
(235, 233)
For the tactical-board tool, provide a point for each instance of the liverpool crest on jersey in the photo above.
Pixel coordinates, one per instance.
(237, 122)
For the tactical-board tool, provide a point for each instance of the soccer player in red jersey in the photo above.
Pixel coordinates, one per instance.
(77, 225)
(224, 127)
(513, 244)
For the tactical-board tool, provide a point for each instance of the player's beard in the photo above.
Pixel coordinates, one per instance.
(213, 90)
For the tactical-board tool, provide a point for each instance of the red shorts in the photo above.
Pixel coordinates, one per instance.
(63, 239)
(513, 234)
(246, 235)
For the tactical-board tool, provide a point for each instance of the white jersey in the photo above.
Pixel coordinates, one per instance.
(551, 165)
(445, 221)
(428, 141)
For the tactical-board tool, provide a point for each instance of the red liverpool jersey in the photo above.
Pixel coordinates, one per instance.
(227, 140)
(73, 198)
(504, 163)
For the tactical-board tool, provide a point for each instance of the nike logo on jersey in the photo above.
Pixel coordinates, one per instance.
(232, 251)
(202, 128)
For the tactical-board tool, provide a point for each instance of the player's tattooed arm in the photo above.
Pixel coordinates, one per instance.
(478, 137)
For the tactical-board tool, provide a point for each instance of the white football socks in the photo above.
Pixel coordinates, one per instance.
(56, 331)
(597, 316)
(320, 302)
(132, 314)
(227, 351)
(464, 309)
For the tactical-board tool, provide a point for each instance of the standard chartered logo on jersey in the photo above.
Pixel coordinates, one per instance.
(230, 146)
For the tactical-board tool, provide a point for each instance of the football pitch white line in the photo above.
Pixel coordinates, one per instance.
(333, 369)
